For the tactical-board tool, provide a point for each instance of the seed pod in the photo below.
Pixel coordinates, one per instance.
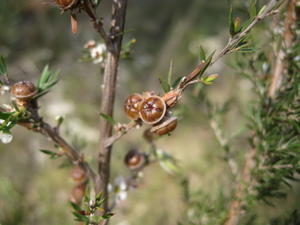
(171, 98)
(66, 4)
(132, 105)
(166, 126)
(23, 92)
(78, 174)
(77, 194)
(152, 109)
(134, 159)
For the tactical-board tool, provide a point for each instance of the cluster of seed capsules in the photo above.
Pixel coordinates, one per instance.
(154, 110)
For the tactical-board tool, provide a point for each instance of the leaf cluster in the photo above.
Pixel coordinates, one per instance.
(275, 123)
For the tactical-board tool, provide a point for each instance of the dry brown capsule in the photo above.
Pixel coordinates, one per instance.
(171, 97)
(78, 174)
(165, 127)
(23, 92)
(132, 105)
(134, 159)
(77, 193)
(152, 109)
(66, 4)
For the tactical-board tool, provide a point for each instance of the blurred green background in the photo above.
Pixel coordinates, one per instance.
(35, 190)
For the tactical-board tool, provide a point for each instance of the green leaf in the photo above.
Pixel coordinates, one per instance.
(86, 198)
(80, 218)
(170, 73)
(209, 79)
(253, 9)
(176, 82)
(99, 200)
(108, 118)
(167, 162)
(10, 121)
(231, 22)
(3, 68)
(237, 25)
(75, 206)
(107, 215)
(207, 63)
(47, 80)
(262, 9)
(99, 196)
(202, 54)
(5, 115)
(53, 155)
(96, 2)
(59, 120)
(164, 84)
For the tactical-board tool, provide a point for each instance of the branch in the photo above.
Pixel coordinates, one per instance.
(124, 130)
(287, 42)
(108, 95)
(235, 208)
(45, 129)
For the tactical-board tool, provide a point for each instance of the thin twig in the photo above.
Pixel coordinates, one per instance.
(269, 9)
(126, 128)
(98, 25)
(223, 141)
(287, 42)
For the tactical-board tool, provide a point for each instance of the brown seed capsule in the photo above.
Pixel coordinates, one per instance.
(165, 126)
(152, 109)
(23, 90)
(77, 193)
(171, 98)
(78, 174)
(134, 159)
(132, 105)
(65, 4)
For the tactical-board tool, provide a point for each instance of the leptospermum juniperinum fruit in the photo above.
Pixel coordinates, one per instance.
(23, 92)
(135, 159)
(66, 4)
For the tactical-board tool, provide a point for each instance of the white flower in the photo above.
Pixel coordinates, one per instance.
(297, 58)
(5, 138)
(122, 187)
(109, 187)
(97, 53)
(90, 44)
(120, 182)
(91, 203)
(4, 89)
(121, 196)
